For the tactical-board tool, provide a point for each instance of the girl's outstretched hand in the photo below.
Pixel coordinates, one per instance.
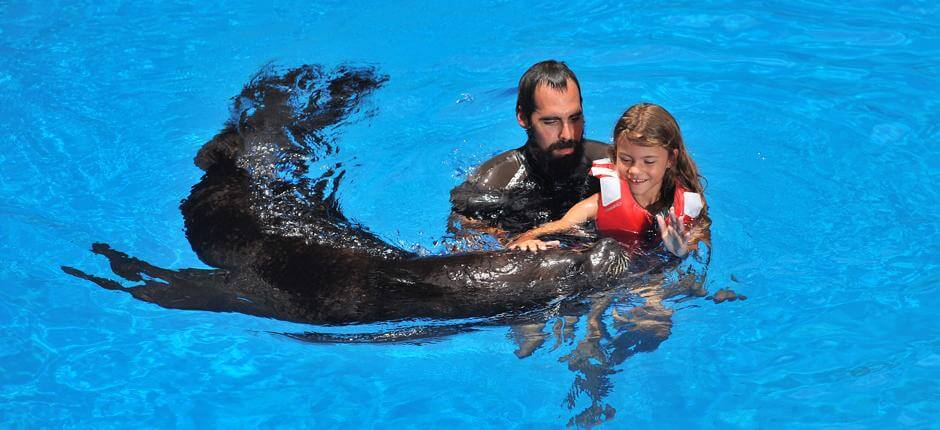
(675, 235)
(532, 245)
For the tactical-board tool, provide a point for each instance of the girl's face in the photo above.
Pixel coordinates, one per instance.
(643, 167)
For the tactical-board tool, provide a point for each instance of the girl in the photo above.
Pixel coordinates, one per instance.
(652, 176)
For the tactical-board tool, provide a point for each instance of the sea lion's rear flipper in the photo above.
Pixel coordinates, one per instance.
(189, 289)
(257, 183)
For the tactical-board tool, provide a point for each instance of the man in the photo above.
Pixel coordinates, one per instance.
(538, 182)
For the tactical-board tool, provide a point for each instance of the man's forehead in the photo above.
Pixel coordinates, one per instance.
(548, 90)
(551, 98)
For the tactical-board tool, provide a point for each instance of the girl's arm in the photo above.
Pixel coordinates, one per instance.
(583, 211)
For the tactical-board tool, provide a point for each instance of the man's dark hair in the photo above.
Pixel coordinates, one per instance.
(549, 72)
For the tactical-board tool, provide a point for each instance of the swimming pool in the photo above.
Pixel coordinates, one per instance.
(814, 122)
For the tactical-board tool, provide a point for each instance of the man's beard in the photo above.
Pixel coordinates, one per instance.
(552, 167)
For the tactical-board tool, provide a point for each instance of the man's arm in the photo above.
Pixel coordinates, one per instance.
(483, 194)
(477, 203)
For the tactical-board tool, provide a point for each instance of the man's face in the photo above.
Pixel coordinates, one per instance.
(557, 124)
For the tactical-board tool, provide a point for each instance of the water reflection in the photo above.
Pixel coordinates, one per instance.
(619, 323)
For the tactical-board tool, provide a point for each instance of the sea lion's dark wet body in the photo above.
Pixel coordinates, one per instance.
(286, 250)
(365, 279)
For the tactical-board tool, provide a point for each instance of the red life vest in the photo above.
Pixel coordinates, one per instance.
(619, 216)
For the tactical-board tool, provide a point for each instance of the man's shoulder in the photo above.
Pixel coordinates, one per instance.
(500, 169)
(594, 150)
(507, 159)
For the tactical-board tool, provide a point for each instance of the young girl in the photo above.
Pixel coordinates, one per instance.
(652, 176)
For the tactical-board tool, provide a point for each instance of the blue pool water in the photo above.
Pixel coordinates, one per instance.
(815, 123)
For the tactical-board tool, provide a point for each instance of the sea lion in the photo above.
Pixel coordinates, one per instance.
(285, 250)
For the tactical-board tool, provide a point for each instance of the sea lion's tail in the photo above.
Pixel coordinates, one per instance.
(256, 183)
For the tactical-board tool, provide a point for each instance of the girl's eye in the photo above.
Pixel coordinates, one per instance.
(648, 162)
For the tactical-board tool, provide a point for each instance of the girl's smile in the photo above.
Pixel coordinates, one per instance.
(643, 167)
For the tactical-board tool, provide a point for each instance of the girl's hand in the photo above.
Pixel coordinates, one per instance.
(532, 245)
(676, 236)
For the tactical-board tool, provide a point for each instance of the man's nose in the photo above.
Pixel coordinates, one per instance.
(567, 130)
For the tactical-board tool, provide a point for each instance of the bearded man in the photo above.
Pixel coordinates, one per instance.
(538, 182)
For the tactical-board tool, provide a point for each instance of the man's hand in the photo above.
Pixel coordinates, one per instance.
(532, 245)
(467, 234)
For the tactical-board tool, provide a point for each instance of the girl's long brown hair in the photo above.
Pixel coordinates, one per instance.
(648, 124)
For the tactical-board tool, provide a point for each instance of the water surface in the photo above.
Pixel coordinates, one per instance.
(814, 122)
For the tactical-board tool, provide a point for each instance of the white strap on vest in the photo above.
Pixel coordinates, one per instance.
(603, 169)
(692, 205)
